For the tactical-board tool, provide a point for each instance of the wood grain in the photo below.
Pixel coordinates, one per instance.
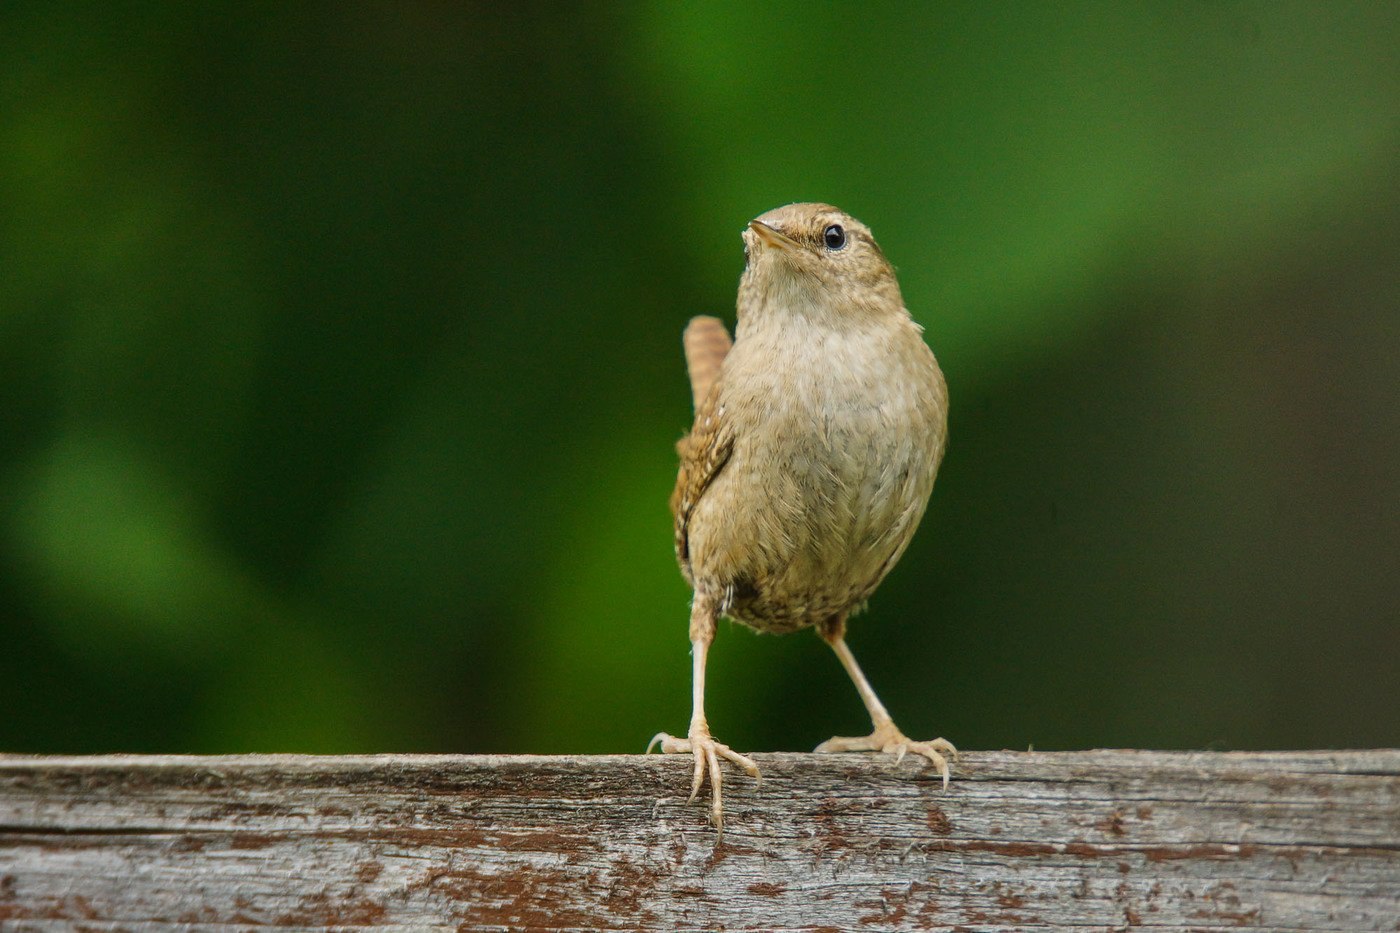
(1099, 840)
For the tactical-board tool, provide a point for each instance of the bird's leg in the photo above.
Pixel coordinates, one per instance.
(698, 741)
(885, 736)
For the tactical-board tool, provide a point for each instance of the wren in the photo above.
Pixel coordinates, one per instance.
(818, 432)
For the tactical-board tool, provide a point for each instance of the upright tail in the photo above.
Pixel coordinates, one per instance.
(706, 344)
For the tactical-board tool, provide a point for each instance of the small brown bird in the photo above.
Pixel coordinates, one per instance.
(817, 437)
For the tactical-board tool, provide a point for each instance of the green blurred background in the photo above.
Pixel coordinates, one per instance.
(340, 368)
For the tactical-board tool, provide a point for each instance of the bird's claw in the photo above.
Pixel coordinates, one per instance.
(707, 754)
(889, 740)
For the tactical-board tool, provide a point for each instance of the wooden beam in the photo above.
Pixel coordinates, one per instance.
(1098, 840)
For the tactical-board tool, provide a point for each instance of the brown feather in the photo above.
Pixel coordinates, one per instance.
(706, 344)
(703, 454)
(706, 448)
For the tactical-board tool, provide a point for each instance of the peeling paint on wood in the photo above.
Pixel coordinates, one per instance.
(1101, 840)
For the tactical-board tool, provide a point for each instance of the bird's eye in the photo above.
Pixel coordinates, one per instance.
(835, 236)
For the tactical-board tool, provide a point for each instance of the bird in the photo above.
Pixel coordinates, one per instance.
(818, 433)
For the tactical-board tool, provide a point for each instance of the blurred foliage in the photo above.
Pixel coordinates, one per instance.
(339, 361)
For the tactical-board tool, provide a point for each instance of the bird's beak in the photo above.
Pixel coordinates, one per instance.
(771, 236)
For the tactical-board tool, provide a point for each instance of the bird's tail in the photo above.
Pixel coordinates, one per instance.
(706, 344)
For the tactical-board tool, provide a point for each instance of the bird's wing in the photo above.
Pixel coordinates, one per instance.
(704, 452)
(706, 449)
(706, 343)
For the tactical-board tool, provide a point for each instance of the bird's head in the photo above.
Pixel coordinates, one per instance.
(816, 259)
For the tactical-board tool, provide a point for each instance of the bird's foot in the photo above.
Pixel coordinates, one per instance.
(888, 739)
(707, 754)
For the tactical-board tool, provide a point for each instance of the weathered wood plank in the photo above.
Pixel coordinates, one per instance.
(1100, 840)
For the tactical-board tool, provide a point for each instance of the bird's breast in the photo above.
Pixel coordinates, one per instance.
(837, 438)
